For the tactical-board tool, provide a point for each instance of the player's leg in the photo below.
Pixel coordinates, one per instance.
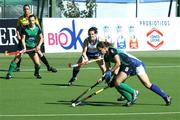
(142, 75)
(12, 67)
(20, 47)
(45, 61)
(17, 69)
(128, 90)
(36, 61)
(127, 96)
(121, 77)
(75, 72)
(119, 83)
(145, 80)
(121, 98)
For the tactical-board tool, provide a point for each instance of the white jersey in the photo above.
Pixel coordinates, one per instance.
(92, 47)
(92, 51)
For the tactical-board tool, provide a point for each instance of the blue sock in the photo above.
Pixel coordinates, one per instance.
(158, 91)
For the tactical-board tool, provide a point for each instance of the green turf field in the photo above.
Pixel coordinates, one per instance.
(26, 98)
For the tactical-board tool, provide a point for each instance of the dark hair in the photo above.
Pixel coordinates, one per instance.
(32, 16)
(93, 29)
(104, 44)
(26, 5)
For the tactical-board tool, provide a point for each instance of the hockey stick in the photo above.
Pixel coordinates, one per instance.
(88, 90)
(16, 52)
(93, 94)
(83, 63)
(85, 92)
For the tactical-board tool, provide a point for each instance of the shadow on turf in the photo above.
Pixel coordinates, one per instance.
(90, 103)
(100, 103)
(27, 78)
(3, 70)
(66, 85)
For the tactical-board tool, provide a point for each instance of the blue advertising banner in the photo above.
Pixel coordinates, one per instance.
(8, 39)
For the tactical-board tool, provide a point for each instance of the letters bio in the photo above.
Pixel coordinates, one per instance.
(62, 38)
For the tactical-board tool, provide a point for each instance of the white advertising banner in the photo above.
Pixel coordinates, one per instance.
(138, 34)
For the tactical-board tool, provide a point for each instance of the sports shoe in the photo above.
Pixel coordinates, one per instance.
(121, 98)
(51, 69)
(38, 76)
(128, 104)
(8, 76)
(168, 100)
(17, 69)
(71, 81)
(135, 96)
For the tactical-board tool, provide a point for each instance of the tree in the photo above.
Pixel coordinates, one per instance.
(70, 9)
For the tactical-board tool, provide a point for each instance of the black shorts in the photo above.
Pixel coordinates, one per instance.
(20, 46)
(31, 52)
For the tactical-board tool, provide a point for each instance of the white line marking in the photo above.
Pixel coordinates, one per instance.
(101, 114)
(63, 86)
(96, 68)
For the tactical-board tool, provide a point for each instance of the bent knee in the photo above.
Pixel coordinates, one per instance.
(116, 83)
(147, 85)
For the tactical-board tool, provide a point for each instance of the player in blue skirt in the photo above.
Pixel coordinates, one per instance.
(89, 52)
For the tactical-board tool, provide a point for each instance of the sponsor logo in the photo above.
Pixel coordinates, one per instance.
(154, 23)
(8, 36)
(67, 38)
(155, 38)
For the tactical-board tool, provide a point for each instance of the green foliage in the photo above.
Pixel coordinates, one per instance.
(70, 9)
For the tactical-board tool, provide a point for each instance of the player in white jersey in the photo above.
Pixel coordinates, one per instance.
(89, 52)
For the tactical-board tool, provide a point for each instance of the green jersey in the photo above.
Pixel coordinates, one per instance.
(32, 35)
(110, 56)
(125, 58)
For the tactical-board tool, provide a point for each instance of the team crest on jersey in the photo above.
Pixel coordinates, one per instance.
(112, 51)
(155, 38)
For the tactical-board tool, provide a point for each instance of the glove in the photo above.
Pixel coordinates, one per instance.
(111, 83)
(107, 76)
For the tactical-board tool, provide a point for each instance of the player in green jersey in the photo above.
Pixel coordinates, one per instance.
(31, 38)
(129, 66)
(21, 23)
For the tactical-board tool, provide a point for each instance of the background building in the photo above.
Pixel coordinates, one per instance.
(103, 8)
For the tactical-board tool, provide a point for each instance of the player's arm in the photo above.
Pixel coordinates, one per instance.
(41, 40)
(116, 58)
(18, 27)
(85, 44)
(23, 42)
(117, 63)
(23, 37)
(111, 71)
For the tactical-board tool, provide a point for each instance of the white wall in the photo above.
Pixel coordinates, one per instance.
(157, 9)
